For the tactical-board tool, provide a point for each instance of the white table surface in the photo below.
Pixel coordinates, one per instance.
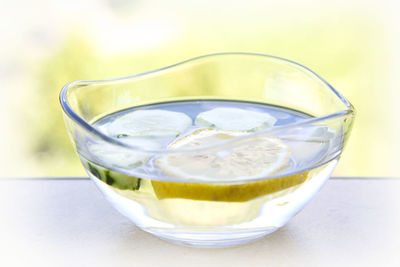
(67, 222)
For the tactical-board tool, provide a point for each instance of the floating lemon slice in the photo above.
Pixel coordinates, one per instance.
(156, 123)
(235, 119)
(254, 157)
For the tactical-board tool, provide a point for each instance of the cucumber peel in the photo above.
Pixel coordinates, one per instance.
(115, 179)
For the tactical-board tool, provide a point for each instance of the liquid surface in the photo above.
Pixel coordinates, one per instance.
(305, 150)
(146, 186)
(193, 108)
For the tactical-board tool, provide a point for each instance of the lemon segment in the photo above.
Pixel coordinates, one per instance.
(235, 119)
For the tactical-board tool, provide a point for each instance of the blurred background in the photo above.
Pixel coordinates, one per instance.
(45, 44)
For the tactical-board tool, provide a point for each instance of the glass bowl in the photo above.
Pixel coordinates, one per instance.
(169, 187)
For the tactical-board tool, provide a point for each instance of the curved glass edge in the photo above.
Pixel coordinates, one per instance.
(86, 126)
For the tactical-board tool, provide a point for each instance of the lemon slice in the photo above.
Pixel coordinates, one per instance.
(156, 122)
(235, 119)
(255, 157)
(226, 193)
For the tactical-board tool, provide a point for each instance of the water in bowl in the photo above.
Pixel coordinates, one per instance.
(200, 195)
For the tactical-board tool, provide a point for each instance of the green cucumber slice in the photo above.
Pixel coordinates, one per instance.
(235, 119)
(156, 123)
(115, 179)
(124, 157)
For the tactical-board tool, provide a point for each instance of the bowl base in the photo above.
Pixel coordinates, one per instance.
(210, 239)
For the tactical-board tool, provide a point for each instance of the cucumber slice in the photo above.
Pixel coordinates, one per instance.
(309, 144)
(235, 119)
(115, 179)
(124, 157)
(156, 122)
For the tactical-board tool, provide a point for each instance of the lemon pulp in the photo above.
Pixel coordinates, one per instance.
(256, 157)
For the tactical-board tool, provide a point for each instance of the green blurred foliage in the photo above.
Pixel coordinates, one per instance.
(73, 60)
(337, 53)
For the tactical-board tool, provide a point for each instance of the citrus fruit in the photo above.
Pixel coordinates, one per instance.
(248, 158)
(252, 157)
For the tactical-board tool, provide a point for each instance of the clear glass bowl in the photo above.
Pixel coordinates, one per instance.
(208, 212)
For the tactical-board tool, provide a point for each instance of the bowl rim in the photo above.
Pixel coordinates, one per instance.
(68, 110)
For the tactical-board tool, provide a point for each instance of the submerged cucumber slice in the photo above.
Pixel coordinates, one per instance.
(235, 119)
(124, 157)
(115, 179)
(154, 122)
